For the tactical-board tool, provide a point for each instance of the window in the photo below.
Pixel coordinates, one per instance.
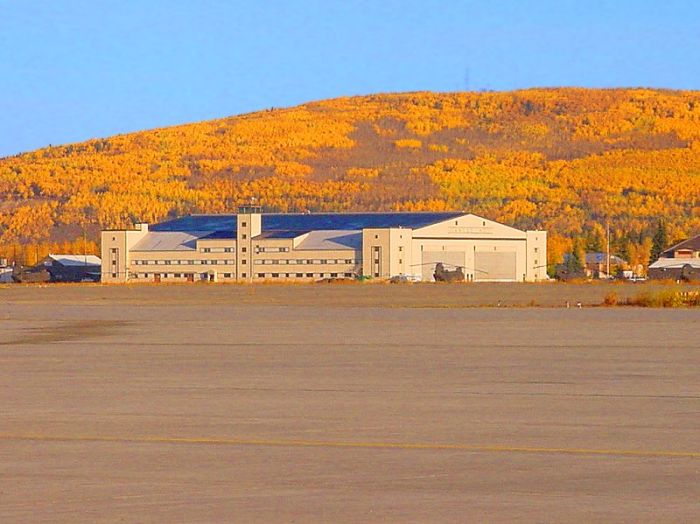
(275, 275)
(113, 250)
(228, 250)
(114, 263)
(535, 250)
(244, 236)
(178, 275)
(206, 250)
(167, 262)
(114, 239)
(334, 275)
(349, 275)
(348, 261)
(400, 261)
(244, 275)
(227, 275)
(376, 236)
(310, 275)
(244, 224)
(244, 262)
(299, 275)
(261, 275)
(114, 275)
(400, 248)
(244, 249)
(324, 261)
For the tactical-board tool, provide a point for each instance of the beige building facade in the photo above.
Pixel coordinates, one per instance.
(252, 246)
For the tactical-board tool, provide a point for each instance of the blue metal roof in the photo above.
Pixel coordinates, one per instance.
(308, 222)
(224, 234)
(280, 234)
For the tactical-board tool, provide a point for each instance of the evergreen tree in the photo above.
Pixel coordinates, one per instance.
(576, 259)
(659, 242)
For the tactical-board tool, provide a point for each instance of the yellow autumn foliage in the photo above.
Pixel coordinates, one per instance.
(565, 160)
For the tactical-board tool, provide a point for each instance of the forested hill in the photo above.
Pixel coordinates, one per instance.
(566, 160)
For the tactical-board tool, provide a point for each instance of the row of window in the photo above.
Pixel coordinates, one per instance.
(233, 262)
(183, 262)
(271, 249)
(179, 275)
(310, 261)
(304, 275)
(217, 250)
(233, 275)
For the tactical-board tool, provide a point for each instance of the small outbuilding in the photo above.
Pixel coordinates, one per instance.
(61, 268)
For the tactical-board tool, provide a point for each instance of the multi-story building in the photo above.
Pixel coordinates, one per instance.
(678, 262)
(252, 246)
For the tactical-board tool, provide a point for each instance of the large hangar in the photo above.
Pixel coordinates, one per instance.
(254, 246)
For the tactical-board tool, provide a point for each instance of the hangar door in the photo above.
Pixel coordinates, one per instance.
(451, 260)
(493, 265)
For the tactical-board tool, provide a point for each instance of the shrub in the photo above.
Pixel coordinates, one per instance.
(610, 299)
(666, 298)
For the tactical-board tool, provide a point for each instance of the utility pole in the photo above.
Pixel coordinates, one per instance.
(607, 270)
(84, 246)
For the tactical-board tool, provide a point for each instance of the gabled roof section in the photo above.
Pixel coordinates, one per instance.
(691, 243)
(675, 263)
(307, 222)
(601, 258)
(332, 240)
(76, 260)
(468, 225)
(170, 240)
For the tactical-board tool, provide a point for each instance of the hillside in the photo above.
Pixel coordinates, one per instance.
(565, 160)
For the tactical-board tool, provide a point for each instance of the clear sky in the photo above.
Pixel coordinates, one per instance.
(76, 69)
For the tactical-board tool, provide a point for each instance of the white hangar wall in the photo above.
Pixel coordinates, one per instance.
(488, 251)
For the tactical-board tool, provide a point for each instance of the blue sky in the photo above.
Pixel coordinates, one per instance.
(76, 69)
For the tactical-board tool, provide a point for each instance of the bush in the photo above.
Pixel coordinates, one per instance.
(610, 299)
(667, 298)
